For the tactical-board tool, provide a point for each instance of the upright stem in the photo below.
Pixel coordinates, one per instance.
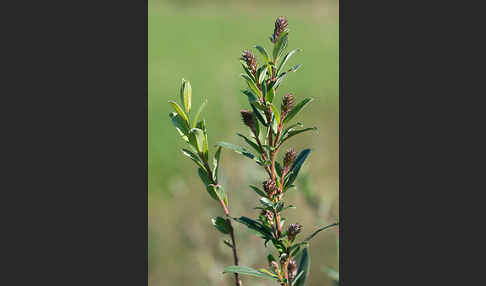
(228, 219)
(235, 254)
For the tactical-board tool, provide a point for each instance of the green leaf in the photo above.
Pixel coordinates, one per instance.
(237, 149)
(252, 97)
(179, 110)
(217, 155)
(262, 74)
(199, 112)
(180, 124)
(270, 94)
(247, 271)
(245, 68)
(319, 230)
(295, 168)
(257, 227)
(202, 125)
(282, 76)
(209, 186)
(274, 124)
(266, 202)
(263, 270)
(286, 58)
(197, 139)
(264, 53)
(294, 68)
(258, 191)
(194, 157)
(219, 192)
(280, 45)
(270, 258)
(304, 267)
(276, 113)
(186, 94)
(251, 85)
(204, 177)
(259, 115)
(249, 142)
(221, 224)
(297, 108)
(292, 133)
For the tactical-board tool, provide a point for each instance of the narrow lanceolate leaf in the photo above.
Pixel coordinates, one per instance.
(194, 157)
(247, 271)
(304, 267)
(319, 230)
(295, 168)
(249, 142)
(259, 115)
(270, 94)
(186, 95)
(263, 72)
(292, 133)
(179, 110)
(180, 124)
(263, 270)
(221, 224)
(274, 124)
(252, 97)
(276, 113)
(245, 68)
(266, 202)
(264, 53)
(199, 112)
(257, 227)
(280, 45)
(217, 155)
(258, 191)
(282, 76)
(237, 149)
(297, 108)
(251, 84)
(286, 58)
(202, 125)
(197, 139)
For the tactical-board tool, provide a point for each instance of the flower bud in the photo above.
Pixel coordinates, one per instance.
(292, 269)
(268, 215)
(293, 230)
(280, 27)
(289, 158)
(270, 187)
(250, 60)
(288, 102)
(249, 119)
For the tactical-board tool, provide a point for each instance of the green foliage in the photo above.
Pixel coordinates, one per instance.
(248, 271)
(266, 140)
(221, 225)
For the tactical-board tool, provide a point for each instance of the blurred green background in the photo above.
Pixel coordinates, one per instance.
(202, 41)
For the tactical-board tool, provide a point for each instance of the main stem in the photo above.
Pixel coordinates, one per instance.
(228, 220)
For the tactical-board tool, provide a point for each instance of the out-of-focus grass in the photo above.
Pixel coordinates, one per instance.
(202, 41)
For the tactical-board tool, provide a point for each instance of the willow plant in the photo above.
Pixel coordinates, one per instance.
(269, 129)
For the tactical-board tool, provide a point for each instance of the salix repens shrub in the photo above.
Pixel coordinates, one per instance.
(270, 126)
